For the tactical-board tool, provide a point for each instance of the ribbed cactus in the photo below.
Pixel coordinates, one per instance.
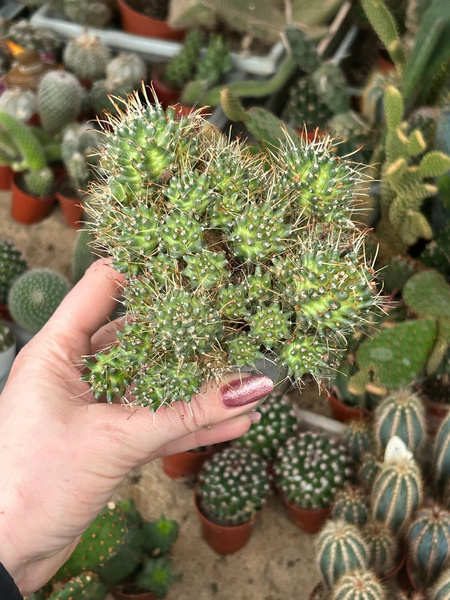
(233, 486)
(369, 469)
(310, 468)
(86, 56)
(34, 297)
(352, 505)
(401, 413)
(341, 549)
(441, 459)
(428, 540)
(226, 257)
(278, 423)
(12, 264)
(157, 576)
(397, 491)
(358, 585)
(59, 100)
(441, 589)
(86, 586)
(384, 547)
(358, 438)
(127, 66)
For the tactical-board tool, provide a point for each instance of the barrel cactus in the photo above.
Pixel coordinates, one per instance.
(232, 486)
(401, 413)
(341, 548)
(12, 264)
(442, 455)
(358, 438)
(127, 66)
(441, 589)
(429, 542)
(59, 100)
(278, 423)
(369, 468)
(86, 56)
(310, 468)
(225, 257)
(384, 548)
(34, 297)
(352, 505)
(358, 585)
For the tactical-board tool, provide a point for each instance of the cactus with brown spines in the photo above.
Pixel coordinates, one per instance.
(384, 547)
(351, 504)
(359, 584)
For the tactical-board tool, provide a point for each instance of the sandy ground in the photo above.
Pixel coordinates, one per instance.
(277, 563)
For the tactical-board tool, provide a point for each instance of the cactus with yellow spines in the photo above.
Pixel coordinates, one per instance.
(352, 505)
(358, 438)
(359, 584)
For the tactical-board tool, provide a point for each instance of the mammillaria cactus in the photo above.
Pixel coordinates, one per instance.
(278, 423)
(12, 264)
(358, 585)
(127, 66)
(86, 56)
(442, 455)
(401, 413)
(383, 547)
(59, 100)
(441, 589)
(358, 438)
(225, 258)
(352, 505)
(341, 548)
(429, 542)
(310, 468)
(233, 486)
(397, 490)
(34, 297)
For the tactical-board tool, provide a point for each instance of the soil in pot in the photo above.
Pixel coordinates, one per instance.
(26, 208)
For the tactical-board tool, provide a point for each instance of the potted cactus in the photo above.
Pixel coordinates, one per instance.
(309, 469)
(351, 504)
(12, 264)
(141, 17)
(232, 488)
(359, 584)
(188, 463)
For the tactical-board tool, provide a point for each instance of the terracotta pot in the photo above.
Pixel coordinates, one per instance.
(72, 209)
(436, 413)
(26, 208)
(119, 595)
(310, 520)
(345, 413)
(4, 312)
(139, 24)
(184, 464)
(166, 95)
(223, 539)
(6, 177)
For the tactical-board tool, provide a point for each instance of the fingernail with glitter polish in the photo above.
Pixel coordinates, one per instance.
(244, 391)
(255, 416)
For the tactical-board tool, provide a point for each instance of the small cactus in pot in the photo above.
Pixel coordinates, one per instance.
(86, 56)
(358, 585)
(352, 505)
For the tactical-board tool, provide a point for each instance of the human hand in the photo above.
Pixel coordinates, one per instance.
(64, 454)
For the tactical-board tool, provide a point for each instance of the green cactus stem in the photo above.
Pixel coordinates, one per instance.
(358, 438)
(358, 585)
(441, 589)
(384, 547)
(352, 505)
(85, 586)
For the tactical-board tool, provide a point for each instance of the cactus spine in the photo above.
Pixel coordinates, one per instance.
(341, 549)
(383, 547)
(358, 585)
(352, 505)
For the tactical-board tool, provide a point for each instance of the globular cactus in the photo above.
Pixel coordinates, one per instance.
(39, 183)
(59, 100)
(12, 264)
(181, 68)
(85, 586)
(104, 91)
(441, 589)
(358, 438)
(441, 458)
(384, 547)
(401, 413)
(101, 541)
(159, 536)
(428, 541)
(157, 576)
(20, 144)
(34, 297)
(398, 489)
(32, 37)
(128, 67)
(278, 423)
(233, 486)
(21, 104)
(86, 56)
(310, 468)
(210, 239)
(91, 13)
(369, 469)
(352, 505)
(358, 585)
(340, 549)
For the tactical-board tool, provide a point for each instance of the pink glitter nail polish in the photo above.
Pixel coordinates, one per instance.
(244, 391)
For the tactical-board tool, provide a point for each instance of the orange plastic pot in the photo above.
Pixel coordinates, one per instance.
(26, 208)
(135, 22)
(184, 464)
(166, 95)
(345, 413)
(310, 520)
(72, 209)
(223, 539)
(6, 177)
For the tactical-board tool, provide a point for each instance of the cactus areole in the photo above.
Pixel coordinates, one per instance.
(228, 256)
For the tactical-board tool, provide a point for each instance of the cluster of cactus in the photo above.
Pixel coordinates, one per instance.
(384, 547)
(351, 504)
(358, 438)
(86, 56)
(31, 37)
(278, 423)
(428, 540)
(35, 295)
(21, 104)
(12, 265)
(225, 256)
(400, 413)
(59, 100)
(310, 468)
(79, 151)
(232, 486)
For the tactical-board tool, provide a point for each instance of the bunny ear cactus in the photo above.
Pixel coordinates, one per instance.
(227, 255)
(358, 585)
(352, 505)
(384, 547)
(86, 586)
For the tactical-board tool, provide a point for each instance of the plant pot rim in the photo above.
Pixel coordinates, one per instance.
(19, 185)
(157, 28)
(290, 504)
(203, 517)
(353, 411)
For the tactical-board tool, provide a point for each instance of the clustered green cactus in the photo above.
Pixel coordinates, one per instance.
(278, 423)
(232, 486)
(225, 258)
(12, 265)
(182, 67)
(351, 504)
(79, 153)
(310, 468)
